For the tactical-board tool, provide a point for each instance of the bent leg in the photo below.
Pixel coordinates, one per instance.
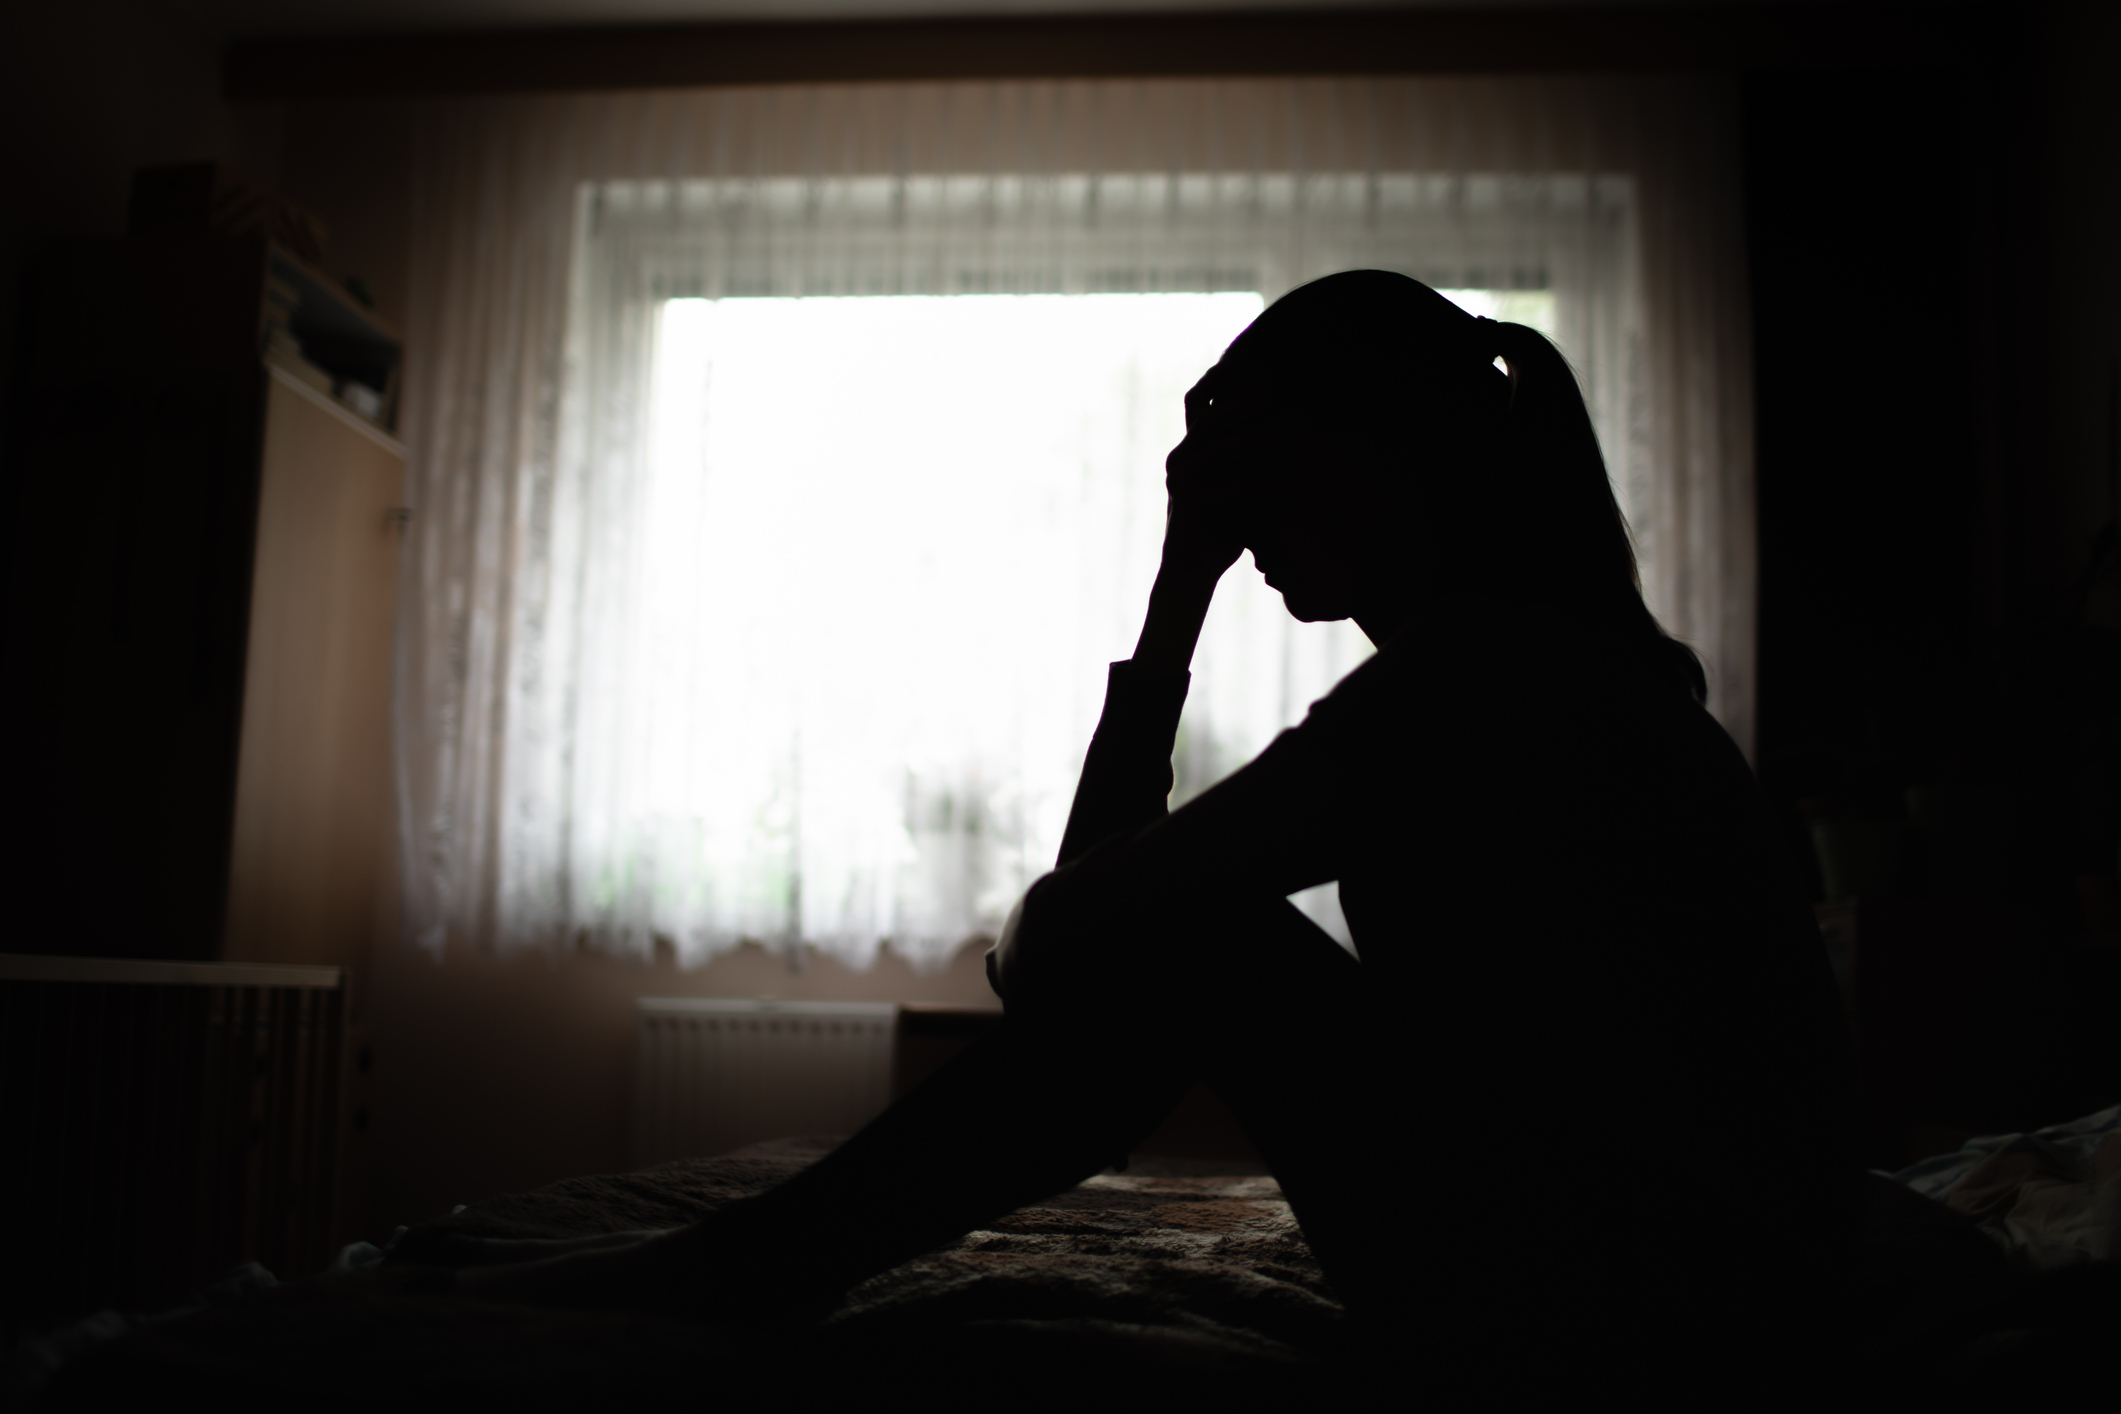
(1275, 1024)
(1278, 1026)
(1025, 1112)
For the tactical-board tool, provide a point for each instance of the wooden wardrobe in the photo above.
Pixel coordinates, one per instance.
(206, 509)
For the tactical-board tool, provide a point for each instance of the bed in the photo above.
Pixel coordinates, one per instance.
(1174, 1272)
(1172, 1280)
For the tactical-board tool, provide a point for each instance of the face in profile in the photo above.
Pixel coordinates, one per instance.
(1287, 491)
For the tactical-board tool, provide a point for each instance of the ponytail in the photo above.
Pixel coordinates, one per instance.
(1578, 537)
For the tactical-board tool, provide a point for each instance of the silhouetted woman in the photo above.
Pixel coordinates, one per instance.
(1577, 1113)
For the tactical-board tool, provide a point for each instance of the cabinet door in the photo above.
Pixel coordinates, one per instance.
(313, 780)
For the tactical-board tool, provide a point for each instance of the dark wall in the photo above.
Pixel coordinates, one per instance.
(1875, 286)
(90, 90)
(1940, 638)
(1933, 346)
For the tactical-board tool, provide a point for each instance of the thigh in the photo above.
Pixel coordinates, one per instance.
(1492, 1215)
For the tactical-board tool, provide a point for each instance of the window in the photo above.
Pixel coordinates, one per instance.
(564, 682)
(871, 490)
(884, 549)
(889, 544)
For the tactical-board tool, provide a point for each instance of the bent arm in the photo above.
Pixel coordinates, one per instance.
(1127, 775)
(1150, 894)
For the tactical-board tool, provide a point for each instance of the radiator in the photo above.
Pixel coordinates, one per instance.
(714, 1075)
(164, 1122)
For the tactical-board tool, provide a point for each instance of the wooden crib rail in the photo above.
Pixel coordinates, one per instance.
(166, 1122)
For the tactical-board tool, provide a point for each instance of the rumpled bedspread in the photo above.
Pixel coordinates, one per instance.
(1168, 1284)
(1170, 1276)
(2049, 1199)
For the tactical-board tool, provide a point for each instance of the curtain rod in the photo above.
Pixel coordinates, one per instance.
(1189, 45)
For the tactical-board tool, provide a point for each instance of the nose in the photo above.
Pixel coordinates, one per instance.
(1184, 459)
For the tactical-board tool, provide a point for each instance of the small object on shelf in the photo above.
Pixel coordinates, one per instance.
(355, 348)
(362, 399)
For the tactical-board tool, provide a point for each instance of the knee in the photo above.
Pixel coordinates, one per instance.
(1060, 954)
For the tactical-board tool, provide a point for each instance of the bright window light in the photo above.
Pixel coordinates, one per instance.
(891, 544)
(1533, 307)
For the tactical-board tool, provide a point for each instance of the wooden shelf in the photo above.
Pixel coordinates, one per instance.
(336, 334)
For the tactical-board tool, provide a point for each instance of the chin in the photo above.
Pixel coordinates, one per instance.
(1312, 608)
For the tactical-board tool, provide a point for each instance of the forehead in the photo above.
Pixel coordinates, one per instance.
(1254, 393)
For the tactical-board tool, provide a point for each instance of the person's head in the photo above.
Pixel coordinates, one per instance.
(1375, 454)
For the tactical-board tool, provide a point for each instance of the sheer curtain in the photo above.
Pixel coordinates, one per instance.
(673, 666)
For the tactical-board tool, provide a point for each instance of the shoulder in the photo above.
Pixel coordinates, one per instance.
(1468, 668)
(1473, 652)
(1424, 685)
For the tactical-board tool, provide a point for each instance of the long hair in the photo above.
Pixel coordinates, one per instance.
(1503, 481)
